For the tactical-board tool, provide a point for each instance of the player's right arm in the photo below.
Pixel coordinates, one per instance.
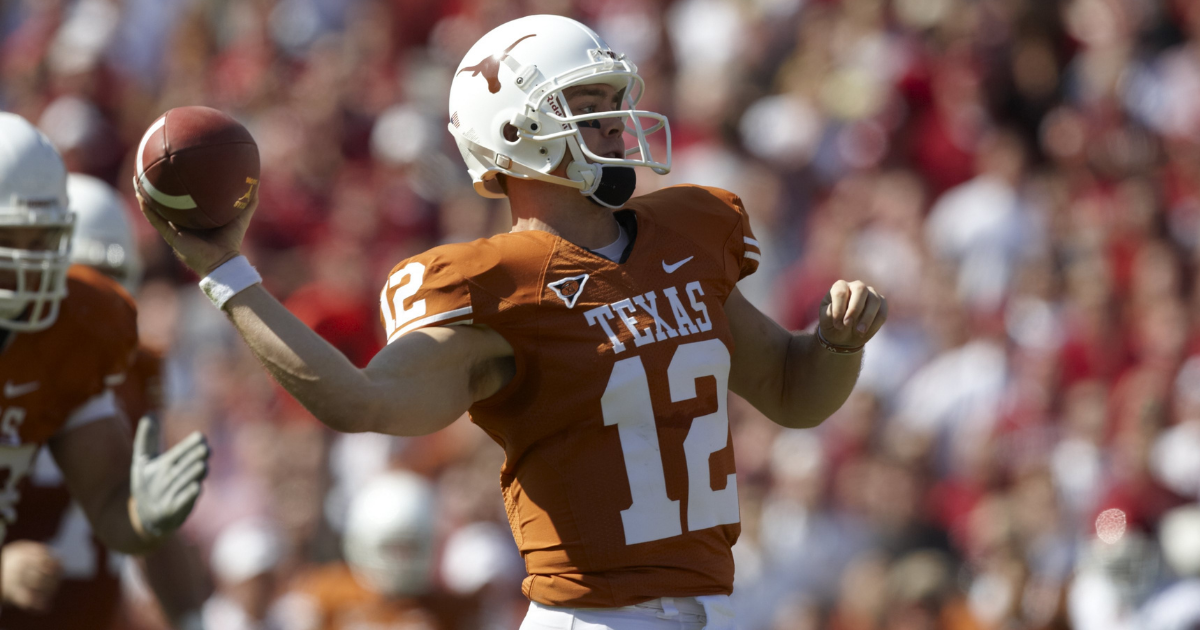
(420, 382)
(417, 384)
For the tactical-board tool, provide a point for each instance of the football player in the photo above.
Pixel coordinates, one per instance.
(89, 594)
(596, 342)
(67, 335)
(388, 546)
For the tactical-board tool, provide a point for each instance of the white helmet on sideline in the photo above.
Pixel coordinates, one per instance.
(515, 75)
(103, 236)
(33, 197)
(1179, 533)
(389, 534)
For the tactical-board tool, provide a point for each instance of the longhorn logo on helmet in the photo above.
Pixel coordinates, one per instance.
(490, 66)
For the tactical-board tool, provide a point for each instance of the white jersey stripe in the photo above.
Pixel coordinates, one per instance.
(98, 407)
(432, 319)
(178, 202)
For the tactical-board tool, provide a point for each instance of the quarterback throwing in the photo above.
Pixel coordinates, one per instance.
(596, 342)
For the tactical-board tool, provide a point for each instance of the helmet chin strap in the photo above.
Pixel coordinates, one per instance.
(588, 174)
(617, 184)
(606, 186)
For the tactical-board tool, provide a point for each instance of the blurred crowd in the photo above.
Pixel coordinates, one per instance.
(1020, 178)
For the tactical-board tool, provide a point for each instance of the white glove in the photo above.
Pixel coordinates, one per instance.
(165, 487)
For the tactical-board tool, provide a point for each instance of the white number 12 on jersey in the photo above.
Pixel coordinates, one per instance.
(626, 403)
(414, 273)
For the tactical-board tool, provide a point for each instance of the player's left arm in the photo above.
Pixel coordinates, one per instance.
(94, 459)
(176, 573)
(791, 377)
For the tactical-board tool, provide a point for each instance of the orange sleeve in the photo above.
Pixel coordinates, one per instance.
(424, 291)
(106, 319)
(742, 245)
(99, 322)
(119, 353)
(141, 393)
(742, 253)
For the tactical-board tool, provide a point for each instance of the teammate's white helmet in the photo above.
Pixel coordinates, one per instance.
(103, 236)
(389, 534)
(33, 215)
(1180, 536)
(515, 75)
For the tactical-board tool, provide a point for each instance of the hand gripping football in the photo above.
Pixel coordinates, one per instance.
(197, 167)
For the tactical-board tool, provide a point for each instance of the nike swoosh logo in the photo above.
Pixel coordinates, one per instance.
(13, 391)
(671, 268)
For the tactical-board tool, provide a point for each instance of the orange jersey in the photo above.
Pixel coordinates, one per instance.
(89, 595)
(329, 598)
(619, 475)
(56, 377)
(141, 392)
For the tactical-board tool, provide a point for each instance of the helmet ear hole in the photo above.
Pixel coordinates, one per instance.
(511, 133)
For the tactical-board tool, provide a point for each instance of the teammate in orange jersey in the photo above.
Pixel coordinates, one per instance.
(67, 335)
(388, 546)
(90, 592)
(597, 347)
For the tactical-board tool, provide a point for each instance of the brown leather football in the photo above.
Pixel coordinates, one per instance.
(197, 167)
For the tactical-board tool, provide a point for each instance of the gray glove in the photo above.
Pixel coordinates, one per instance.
(165, 487)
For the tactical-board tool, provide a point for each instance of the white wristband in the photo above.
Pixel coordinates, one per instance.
(232, 277)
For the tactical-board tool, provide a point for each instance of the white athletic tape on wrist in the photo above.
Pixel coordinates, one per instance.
(232, 277)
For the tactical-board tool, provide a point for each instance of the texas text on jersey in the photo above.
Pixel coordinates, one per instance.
(619, 474)
(62, 377)
(89, 594)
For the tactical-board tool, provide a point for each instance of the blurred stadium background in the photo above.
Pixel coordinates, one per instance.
(1021, 178)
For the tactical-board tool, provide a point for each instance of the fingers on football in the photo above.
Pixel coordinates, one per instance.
(164, 227)
(243, 219)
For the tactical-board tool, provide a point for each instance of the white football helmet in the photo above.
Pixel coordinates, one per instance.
(1179, 533)
(389, 534)
(515, 75)
(35, 227)
(103, 236)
